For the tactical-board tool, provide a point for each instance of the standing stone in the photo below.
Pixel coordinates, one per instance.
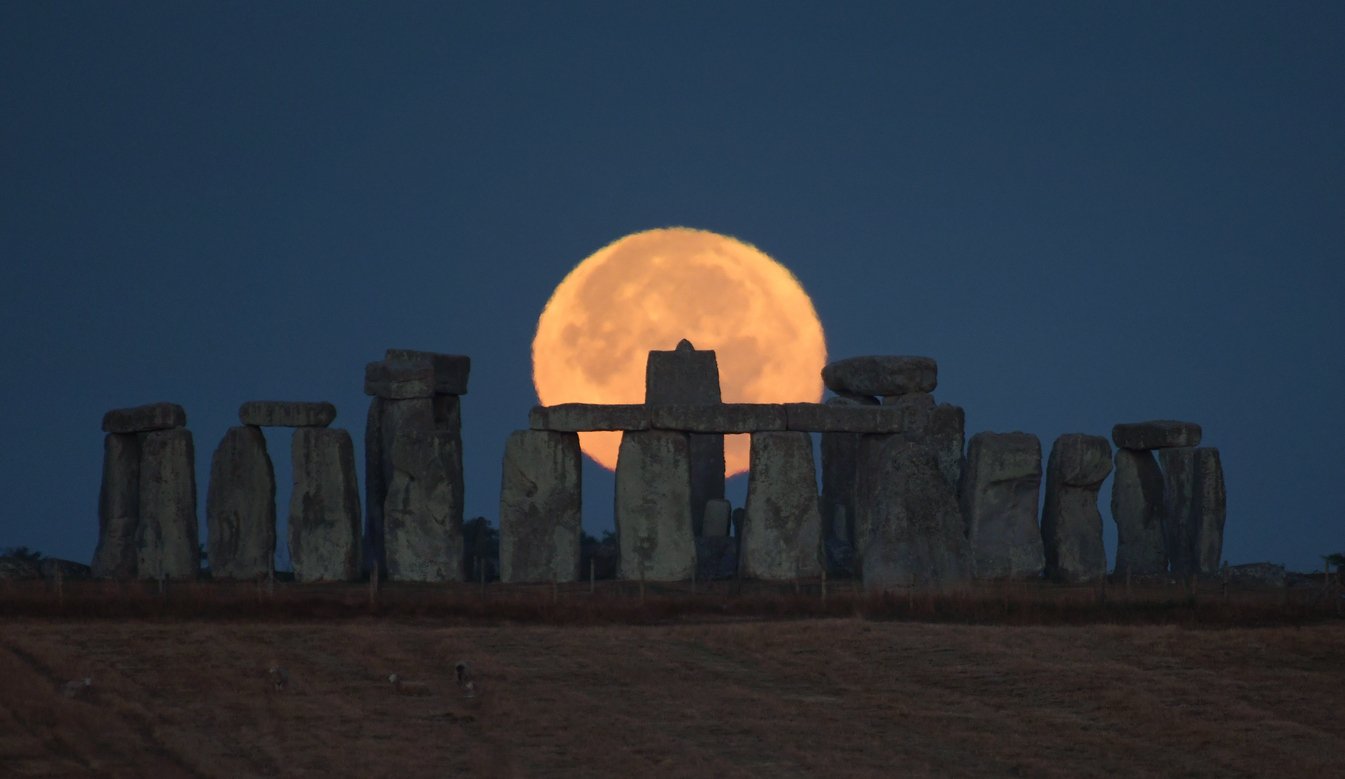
(1071, 525)
(1179, 504)
(686, 376)
(118, 508)
(840, 461)
(450, 370)
(999, 503)
(945, 433)
(422, 514)
(1210, 510)
(386, 419)
(782, 533)
(653, 506)
(540, 507)
(718, 516)
(1137, 510)
(167, 540)
(881, 375)
(915, 530)
(916, 408)
(324, 524)
(240, 514)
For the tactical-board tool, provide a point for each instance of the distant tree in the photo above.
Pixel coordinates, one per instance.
(1337, 559)
(23, 553)
(480, 541)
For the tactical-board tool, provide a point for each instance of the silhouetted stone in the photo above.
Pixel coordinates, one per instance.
(1071, 525)
(240, 512)
(540, 507)
(855, 398)
(68, 570)
(882, 375)
(718, 418)
(739, 514)
(581, 417)
(399, 380)
(386, 418)
(915, 531)
(687, 376)
(945, 433)
(324, 523)
(999, 502)
(840, 459)
(118, 508)
(1210, 510)
(782, 532)
(167, 538)
(450, 370)
(279, 413)
(915, 408)
(844, 418)
(1179, 509)
(447, 413)
(716, 558)
(718, 516)
(1156, 434)
(1137, 509)
(422, 515)
(653, 506)
(143, 419)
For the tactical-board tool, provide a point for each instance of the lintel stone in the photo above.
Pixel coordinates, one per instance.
(144, 419)
(450, 370)
(582, 417)
(719, 418)
(279, 413)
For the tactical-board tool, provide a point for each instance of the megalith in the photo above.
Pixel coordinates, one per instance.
(1210, 511)
(782, 529)
(999, 504)
(881, 376)
(653, 506)
(1137, 510)
(687, 376)
(540, 507)
(324, 521)
(915, 531)
(167, 538)
(1071, 525)
(916, 409)
(1156, 434)
(945, 432)
(1179, 509)
(422, 515)
(840, 463)
(282, 413)
(718, 516)
(240, 510)
(118, 508)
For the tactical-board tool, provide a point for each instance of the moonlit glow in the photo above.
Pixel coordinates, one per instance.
(650, 290)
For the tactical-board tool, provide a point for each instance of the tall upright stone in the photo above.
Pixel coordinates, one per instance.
(167, 538)
(1179, 506)
(782, 530)
(240, 510)
(1071, 525)
(422, 514)
(686, 376)
(840, 461)
(540, 507)
(324, 523)
(1137, 510)
(118, 508)
(653, 506)
(1210, 510)
(946, 433)
(915, 531)
(999, 503)
(375, 488)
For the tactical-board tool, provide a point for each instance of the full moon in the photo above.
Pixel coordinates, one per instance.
(650, 290)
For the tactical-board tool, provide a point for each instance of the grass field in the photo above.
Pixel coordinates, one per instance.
(1016, 681)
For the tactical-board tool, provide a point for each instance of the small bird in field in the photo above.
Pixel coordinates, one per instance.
(280, 678)
(465, 681)
(77, 688)
(403, 687)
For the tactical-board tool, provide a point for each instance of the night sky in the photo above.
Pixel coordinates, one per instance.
(1087, 212)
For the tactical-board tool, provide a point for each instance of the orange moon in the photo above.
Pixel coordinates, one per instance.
(650, 290)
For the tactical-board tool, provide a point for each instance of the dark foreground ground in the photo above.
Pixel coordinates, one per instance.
(865, 690)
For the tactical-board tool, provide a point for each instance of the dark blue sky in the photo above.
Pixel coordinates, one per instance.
(1087, 212)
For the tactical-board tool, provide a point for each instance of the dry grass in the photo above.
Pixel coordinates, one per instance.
(678, 686)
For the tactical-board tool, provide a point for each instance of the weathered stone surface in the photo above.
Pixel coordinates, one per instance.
(853, 398)
(422, 514)
(782, 531)
(683, 376)
(882, 375)
(51, 567)
(718, 516)
(386, 418)
(999, 502)
(1210, 510)
(716, 558)
(840, 459)
(1137, 510)
(1256, 575)
(167, 537)
(945, 433)
(396, 380)
(283, 413)
(324, 523)
(1156, 434)
(143, 419)
(447, 413)
(719, 418)
(843, 418)
(1179, 507)
(240, 513)
(18, 569)
(540, 507)
(1071, 525)
(581, 417)
(450, 370)
(914, 529)
(653, 506)
(118, 508)
(915, 408)
(738, 516)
